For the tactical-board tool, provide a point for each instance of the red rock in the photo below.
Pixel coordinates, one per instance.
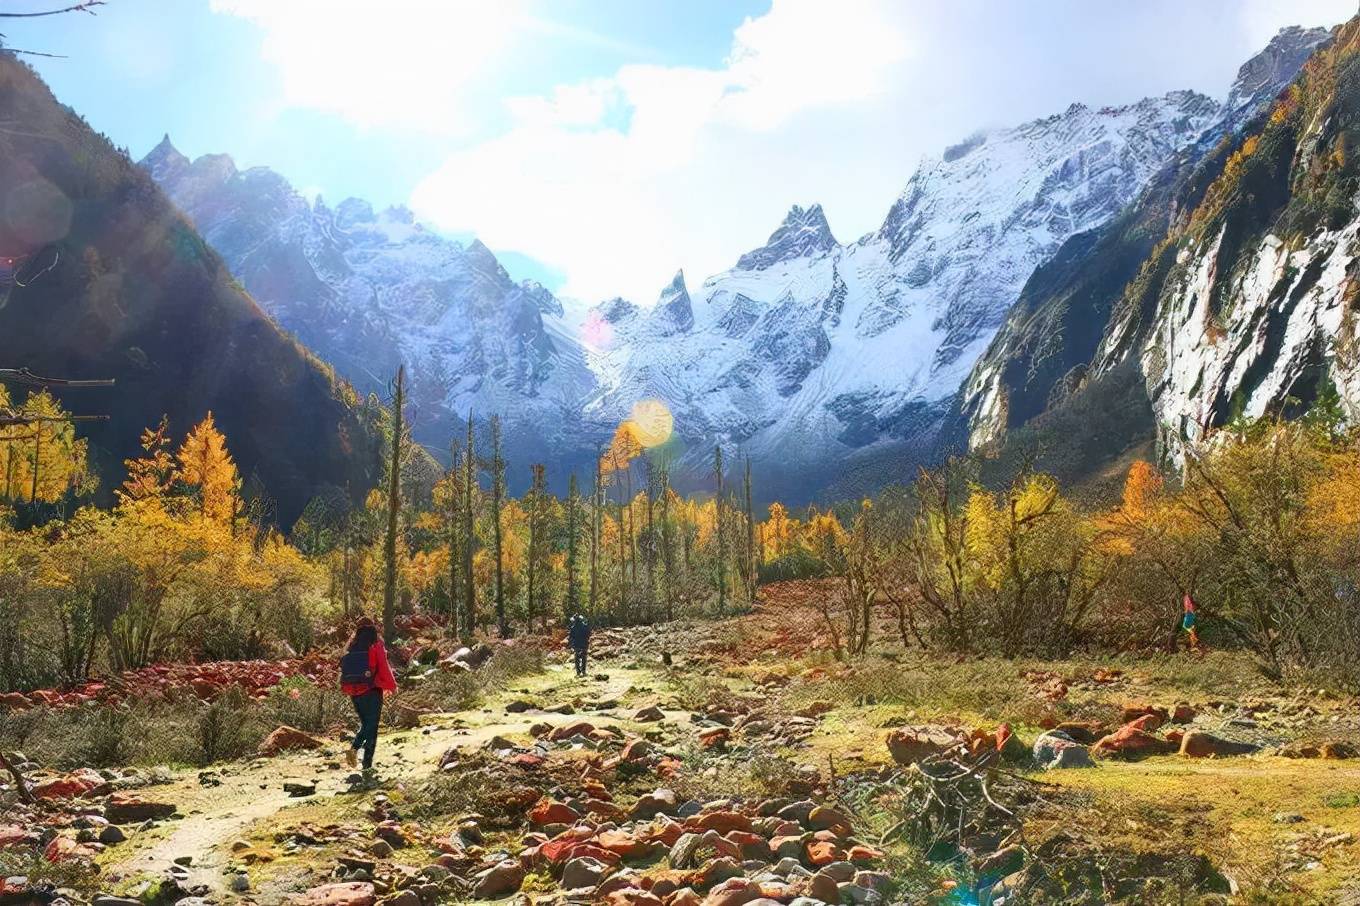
(665, 831)
(129, 808)
(1130, 742)
(733, 892)
(861, 853)
(559, 852)
(620, 842)
(526, 760)
(1134, 710)
(64, 849)
(1182, 713)
(909, 745)
(637, 749)
(722, 822)
(822, 852)
(550, 811)
(715, 737)
(351, 894)
(286, 739)
(69, 786)
(13, 835)
(1198, 744)
(686, 896)
(568, 730)
(749, 845)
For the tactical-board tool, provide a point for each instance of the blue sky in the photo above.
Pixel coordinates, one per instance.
(602, 144)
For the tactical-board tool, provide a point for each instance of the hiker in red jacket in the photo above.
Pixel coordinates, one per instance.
(364, 677)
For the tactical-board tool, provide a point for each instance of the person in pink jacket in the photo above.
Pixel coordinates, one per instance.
(366, 687)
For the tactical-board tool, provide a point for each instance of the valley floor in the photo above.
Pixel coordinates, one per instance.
(751, 717)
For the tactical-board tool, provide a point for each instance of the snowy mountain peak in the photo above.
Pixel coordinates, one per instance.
(804, 232)
(674, 313)
(165, 160)
(1260, 78)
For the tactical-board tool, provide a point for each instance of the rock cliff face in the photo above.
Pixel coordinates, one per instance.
(808, 350)
(1077, 307)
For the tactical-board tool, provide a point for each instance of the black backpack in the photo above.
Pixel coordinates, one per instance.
(354, 669)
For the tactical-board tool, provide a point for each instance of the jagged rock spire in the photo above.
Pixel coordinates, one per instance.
(804, 232)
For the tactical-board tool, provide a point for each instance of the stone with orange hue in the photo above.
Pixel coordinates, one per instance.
(1198, 744)
(568, 730)
(622, 843)
(287, 739)
(733, 892)
(14, 835)
(715, 737)
(129, 808)
(64, 849)
(908, 745)
(1135, 710)
(1182, 713)
(633, 896)
(14, 701)
(861, 853)
(750, 846)
(1130, 741)
(351, 894)
(550, 811)
(822, 852)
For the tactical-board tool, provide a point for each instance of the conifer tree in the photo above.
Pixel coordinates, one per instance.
(393, 510)
(205, 463)
(497, 498)
(573, 599)
(722, 535)
(537, 491)
(469, 484)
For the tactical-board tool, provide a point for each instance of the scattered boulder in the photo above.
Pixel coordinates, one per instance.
(1332, 749)
(657, 802)
(909, 745)
(1055, 749)
(286, 739)
(353, 893)
(501, 879)
(1199, 744)
(128, 808)
(1138, 710)
(550, 811)
(584, 871)
(1131, 741)
(649, 715)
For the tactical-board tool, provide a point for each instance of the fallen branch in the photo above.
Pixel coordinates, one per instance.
(20, 784)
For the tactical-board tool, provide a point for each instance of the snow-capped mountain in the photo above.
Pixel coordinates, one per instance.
(809, 349)
(813, 355)
(1043, 352)
(369, 289)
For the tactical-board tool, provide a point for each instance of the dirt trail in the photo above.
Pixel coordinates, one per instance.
(252, 792)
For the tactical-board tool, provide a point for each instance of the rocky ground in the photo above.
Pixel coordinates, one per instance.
(732, 762)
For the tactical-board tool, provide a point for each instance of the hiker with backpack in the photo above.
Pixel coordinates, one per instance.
(578, 639)
(365, 677)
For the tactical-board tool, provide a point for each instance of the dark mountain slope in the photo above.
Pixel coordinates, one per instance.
(133, 293)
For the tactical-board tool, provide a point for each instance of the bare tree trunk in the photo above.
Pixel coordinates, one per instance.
(389, 614)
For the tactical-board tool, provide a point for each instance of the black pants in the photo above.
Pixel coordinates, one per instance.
(580, 659)
(369, 708)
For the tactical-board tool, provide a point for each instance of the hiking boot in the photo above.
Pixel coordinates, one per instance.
(351, 758)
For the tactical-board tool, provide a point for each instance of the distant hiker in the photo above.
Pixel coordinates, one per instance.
(364, 677)
(578, 639)
(1188, 620)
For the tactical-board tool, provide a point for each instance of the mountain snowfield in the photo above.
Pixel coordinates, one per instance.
(808, 351)
(1037, 344)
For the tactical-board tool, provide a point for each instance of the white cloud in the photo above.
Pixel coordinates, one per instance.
(617, 181)
(401, 63)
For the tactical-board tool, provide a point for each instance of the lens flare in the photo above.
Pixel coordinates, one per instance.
(597, 332)
(652, 422)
